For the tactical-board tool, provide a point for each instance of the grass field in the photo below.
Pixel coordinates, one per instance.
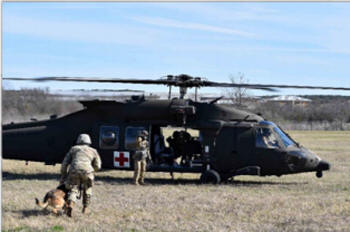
(299, 202)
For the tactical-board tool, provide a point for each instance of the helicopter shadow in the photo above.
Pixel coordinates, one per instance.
(151, 181)
(165, 181)
(28, 176)
(106, 179)
(260, 183)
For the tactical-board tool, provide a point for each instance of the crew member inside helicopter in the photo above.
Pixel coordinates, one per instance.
(177, 143)
(181, 145)
(184, 146)
(264, 138)
(162, 153)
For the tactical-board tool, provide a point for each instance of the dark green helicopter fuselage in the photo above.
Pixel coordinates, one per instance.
(229, 140)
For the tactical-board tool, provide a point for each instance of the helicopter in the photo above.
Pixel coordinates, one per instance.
(229, 141)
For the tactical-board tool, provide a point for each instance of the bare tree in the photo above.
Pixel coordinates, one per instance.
(237, 94)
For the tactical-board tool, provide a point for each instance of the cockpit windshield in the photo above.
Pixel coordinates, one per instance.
(271, 136)
(285, 139)
(266, 138)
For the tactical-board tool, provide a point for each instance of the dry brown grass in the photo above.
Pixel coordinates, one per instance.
(290, 203)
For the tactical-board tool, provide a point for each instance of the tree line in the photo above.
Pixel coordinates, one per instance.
(26, 104)
(323, 112)
(330, 114)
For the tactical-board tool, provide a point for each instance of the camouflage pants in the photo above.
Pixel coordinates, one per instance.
(139, 171)
(73, 183)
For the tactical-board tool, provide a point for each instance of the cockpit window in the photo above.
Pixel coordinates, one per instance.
(277, 134)
(285, 139)
(266, 138)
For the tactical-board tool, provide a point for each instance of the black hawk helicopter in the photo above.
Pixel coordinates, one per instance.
(230, 142)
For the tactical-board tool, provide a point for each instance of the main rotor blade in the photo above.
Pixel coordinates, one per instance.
(93, 79)
(233, 85)
(170, 82)
(272, 87)
(180, 81)
(105, 90)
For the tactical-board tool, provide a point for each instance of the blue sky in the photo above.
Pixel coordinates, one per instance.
(271, 43)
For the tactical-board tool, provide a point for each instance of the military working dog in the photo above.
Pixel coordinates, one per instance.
(55, 199)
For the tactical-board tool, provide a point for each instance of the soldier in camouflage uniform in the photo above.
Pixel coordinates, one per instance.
(83, 161)
(140, 156)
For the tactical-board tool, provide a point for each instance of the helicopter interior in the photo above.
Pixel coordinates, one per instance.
(169, 146)
(176, 146)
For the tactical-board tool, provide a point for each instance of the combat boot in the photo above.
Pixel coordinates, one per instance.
(136, 177)
(142, 174)
(85, 210)
(141, 182)
(86, 202)
(70, 208)
(135, 181)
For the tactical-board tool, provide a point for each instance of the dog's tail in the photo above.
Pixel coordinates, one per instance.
(43, 204)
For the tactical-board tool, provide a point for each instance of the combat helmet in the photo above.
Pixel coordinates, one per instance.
(144, 133)
(84, 139)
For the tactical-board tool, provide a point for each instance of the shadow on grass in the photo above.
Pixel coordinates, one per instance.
(31, 212)
(150, 181)
(30, 176)
(251, 183)
(165, 181)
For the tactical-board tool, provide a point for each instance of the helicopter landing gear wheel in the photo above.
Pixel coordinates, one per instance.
(210, 177)
(319, 174)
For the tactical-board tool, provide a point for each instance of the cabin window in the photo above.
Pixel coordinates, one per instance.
(131, 134)
(109, 137)
(265, 138)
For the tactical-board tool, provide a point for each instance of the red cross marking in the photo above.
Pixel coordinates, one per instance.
(121, 159)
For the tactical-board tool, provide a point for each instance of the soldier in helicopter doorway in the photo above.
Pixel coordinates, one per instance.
(140, 157)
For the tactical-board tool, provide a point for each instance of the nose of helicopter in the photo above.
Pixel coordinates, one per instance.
(304, 160)
(323, 165)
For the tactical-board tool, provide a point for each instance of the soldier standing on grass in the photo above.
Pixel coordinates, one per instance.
(83, 161)
(141, 154)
